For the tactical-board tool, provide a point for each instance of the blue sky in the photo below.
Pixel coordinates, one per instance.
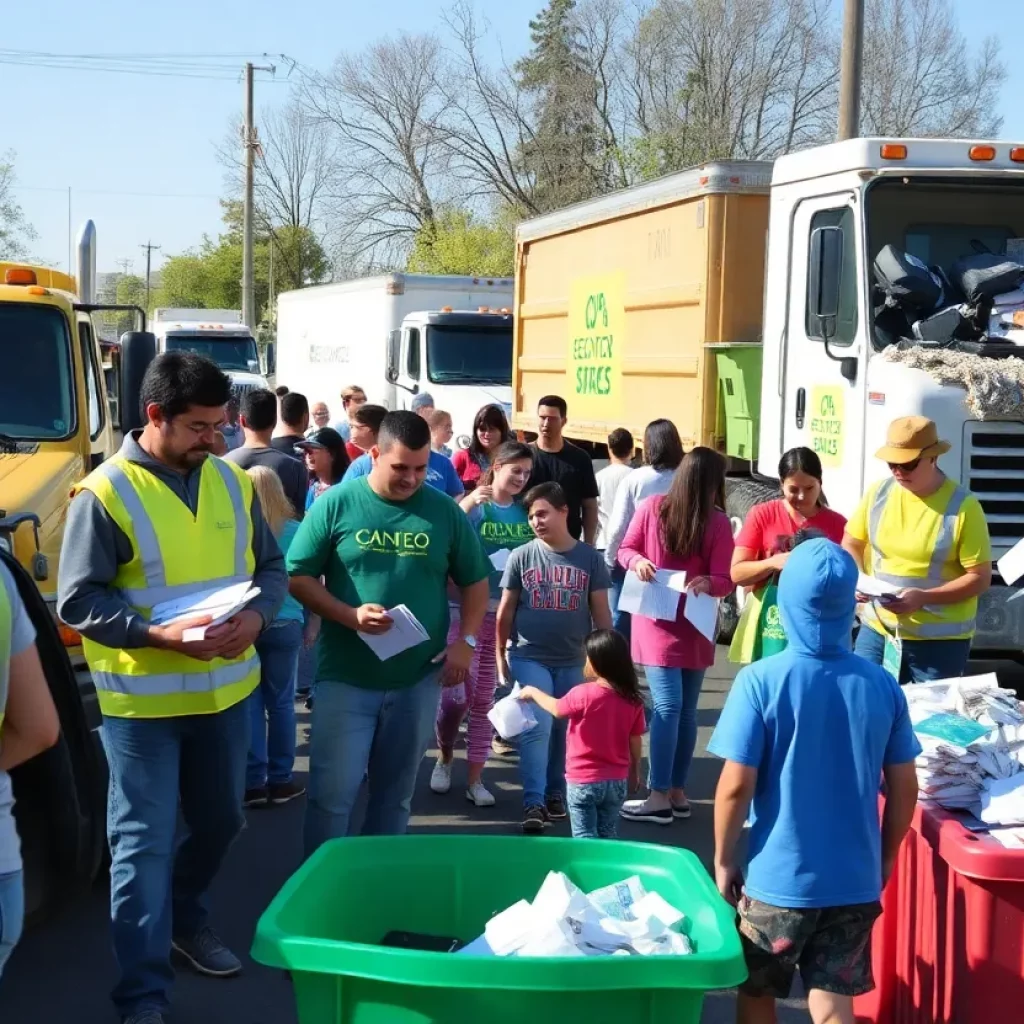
(110, 135)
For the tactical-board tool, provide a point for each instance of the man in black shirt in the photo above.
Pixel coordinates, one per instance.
(560, 461)
(259, 417)
(295, 417)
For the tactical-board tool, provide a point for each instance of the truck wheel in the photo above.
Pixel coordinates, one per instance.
(741, 495)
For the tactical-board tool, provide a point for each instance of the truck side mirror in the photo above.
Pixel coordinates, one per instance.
(824, 287)
(254, 365)
(138, 350)
(394, 347)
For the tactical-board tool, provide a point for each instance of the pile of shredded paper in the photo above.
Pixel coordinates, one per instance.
(623, 919)
(995, 387)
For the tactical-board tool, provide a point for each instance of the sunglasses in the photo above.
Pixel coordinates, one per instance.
(907, 467)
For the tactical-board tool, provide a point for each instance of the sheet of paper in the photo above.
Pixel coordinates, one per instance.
(1011, 838)
(1011, 565)
(674, 580)
(1002, 801)
(870, 586)
(500, 559)
(702, 611)
(406, 631)
(652, 600)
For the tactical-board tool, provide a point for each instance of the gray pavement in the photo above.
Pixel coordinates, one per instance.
(63, 970)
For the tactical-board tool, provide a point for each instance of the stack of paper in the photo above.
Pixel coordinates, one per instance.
(406, 631)
(219, 603)
(875, 588)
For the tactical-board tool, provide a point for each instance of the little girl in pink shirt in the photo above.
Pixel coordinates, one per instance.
(605, 735)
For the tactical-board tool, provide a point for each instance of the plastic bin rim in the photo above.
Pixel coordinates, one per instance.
(974, 855)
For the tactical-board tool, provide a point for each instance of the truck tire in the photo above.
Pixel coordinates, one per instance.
(741, 495)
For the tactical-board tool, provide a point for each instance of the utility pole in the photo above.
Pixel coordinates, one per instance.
(250, 143)
(149, 247)
(850, 67)
(125, 265)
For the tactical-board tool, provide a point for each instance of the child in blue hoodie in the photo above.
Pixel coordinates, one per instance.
(807, 735)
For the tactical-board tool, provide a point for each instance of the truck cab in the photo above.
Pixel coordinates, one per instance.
(217, 334)
(462, 358)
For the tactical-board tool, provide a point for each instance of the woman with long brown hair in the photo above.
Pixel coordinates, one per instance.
(685, 530)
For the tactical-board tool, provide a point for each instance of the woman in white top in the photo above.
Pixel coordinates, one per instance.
(663, 451)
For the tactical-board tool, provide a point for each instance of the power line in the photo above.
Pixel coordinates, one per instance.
(209, 67)
(115, 192)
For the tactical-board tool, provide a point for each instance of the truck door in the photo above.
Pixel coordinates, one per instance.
(824, 384)
(97, 407)
(410, 370)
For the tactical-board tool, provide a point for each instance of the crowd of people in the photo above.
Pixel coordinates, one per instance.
(511, 558)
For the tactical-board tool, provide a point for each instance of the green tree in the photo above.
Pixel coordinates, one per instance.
(564, 153)
(460, 243)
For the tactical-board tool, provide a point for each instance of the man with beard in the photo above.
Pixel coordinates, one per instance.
(163, 520)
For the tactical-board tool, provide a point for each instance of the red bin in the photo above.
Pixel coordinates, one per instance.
(949, 947)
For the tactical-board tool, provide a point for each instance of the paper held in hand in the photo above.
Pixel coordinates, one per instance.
(500, 559)
(1011, 565)
(870, 586)
(220, 603)
(658, 599)
(406, 631)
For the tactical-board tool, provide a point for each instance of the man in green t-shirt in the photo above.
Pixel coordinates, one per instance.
(380, 541)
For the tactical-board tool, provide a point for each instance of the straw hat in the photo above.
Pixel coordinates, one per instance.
(911, 438)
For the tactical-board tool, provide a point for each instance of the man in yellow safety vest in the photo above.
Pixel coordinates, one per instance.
(164, 520)
(924, 538)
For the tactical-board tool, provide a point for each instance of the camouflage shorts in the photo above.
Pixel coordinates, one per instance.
(831, 946)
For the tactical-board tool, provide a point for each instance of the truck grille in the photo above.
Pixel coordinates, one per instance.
(994, 473)
(241, 390)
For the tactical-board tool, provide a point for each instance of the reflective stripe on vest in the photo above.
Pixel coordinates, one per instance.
(942, 552)
(157, 589)
(6, 626)
(198, 555)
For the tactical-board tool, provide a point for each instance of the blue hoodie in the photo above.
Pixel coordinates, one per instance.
(818, 723)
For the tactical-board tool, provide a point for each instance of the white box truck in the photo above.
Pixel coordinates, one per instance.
(398, 335)
(218, 334)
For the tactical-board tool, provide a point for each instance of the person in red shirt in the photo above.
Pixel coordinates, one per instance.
(764, 541)
(605, 736)
(490, 432)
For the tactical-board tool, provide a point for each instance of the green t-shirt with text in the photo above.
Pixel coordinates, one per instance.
(374, 551)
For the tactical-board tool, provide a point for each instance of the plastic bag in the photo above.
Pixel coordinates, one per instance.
(511, 717)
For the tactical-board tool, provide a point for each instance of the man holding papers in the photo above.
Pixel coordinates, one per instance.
(925, 537)
(383, 542)
(158, 522)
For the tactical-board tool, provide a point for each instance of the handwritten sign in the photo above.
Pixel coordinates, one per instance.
(827, 424)
(597, 335)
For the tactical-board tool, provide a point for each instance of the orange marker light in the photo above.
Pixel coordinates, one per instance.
(20, 275)
(893, 151)
(1017, 154)
(982, 152)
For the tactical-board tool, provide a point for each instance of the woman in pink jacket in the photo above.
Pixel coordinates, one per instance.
(684, 530)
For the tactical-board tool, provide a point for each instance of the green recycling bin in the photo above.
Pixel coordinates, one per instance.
(324, 924)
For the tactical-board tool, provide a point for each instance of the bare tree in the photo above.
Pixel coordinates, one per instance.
(15, 232)
(920, 77)
(382, 108)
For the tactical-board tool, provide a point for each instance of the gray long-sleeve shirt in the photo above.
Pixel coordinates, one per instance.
(94, 546)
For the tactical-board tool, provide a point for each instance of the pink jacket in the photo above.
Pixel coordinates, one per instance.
(676, 644)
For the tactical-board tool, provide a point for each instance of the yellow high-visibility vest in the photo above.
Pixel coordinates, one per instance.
(174, 553)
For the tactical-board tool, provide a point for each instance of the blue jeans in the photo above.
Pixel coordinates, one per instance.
(542, 749)
(272, 706)
(157, 885)
(621, 621)
(12, 914)
(594, 808)
(923, 660)
(675, 692)
(358, 733)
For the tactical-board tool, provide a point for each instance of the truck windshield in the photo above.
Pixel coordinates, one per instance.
(469, 355)
(228, 353)
(37, 390)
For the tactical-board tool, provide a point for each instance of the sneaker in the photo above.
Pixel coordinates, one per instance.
(480, 795)
(256, 797)
(501, 748)
(556, 807)
(534, 820)
(144, 1017)
(282, 792)
(441, 777)
(639, 810)
(681, 810)
(207, 955)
